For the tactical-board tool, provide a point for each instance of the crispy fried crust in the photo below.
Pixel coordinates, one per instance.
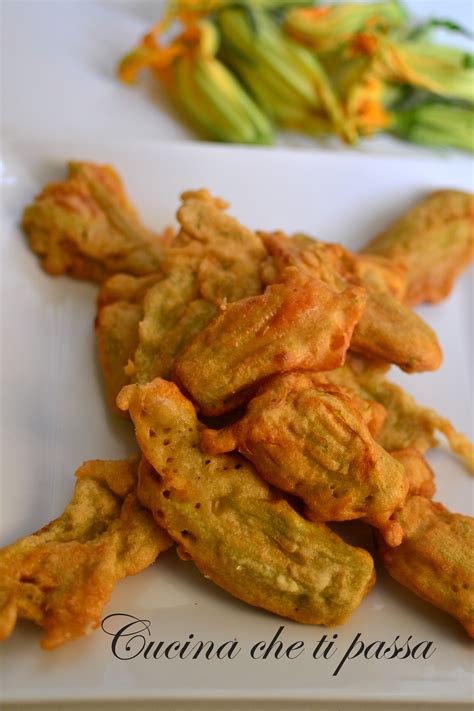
(409, 425)
(299, 324)
(116, 330)
(310, 439)
(85, 226)
(331, 263)
(62, 576)
(213, 260)
(436, 558)
(435, 239)
(310, 434)
(172, 316)
(155, 356)
(229, 255)
(125, 287)
(387, 329)
(419, 473)
(143, 323)
(238, 531)
(406, 425)
(119, 312)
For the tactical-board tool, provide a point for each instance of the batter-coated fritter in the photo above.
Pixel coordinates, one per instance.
(419, 473)
(376, 273)
(228, 254)
(406, 425)
(119, 312)
(62, 576)
(373, 413)
(238, 531)
(331, 263)
(409, 425)
(299, 324)
(125, 287)
(157, 360)
(212, 261)
(388, 329)
(435, 240)
(436, 558)
(310, 439)
(116, 329)
(85, 226)
(165, 306)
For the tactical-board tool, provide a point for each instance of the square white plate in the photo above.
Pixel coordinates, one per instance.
(54, 417)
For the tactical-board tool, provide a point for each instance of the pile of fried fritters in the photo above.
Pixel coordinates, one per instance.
(253, 367)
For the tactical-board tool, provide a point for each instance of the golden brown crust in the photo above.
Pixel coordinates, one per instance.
(126, 287)
(299, 324)
(409, 425)
(419, 473)
(435, 240)
(390, 331)
(119, 312)
(239, 532)
(403, 423)
(192, 306)
(309, 438)
(212, 261)
(172, 315)
(225, 255)
(436, 558)
(62, 576)
(85, 226)
(116, 328)
(387, 329)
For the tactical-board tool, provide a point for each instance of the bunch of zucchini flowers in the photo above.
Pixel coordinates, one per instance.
(240, 69)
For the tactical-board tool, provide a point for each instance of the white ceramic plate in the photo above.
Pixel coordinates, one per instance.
(54, 417)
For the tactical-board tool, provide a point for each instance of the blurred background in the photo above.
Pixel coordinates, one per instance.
(59, 76)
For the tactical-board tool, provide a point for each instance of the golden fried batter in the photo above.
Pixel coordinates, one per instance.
(419, 473)
(229, 254)
(387, 330)
(85, 226)
(299, 324)
(120, 310)
(62, 576)
(331, 263)
(125, 287)
(408, 424)
(436, 558)
(377, 273)
(213, 260)
(116, 328)
(171, 317)
(192, 306)
(309, 438)
(373, 413)
(435, 240)
(390, 331)
(158, 360)
(348, 377)
(238, 531)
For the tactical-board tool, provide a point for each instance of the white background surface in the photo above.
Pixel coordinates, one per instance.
(58, 83)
